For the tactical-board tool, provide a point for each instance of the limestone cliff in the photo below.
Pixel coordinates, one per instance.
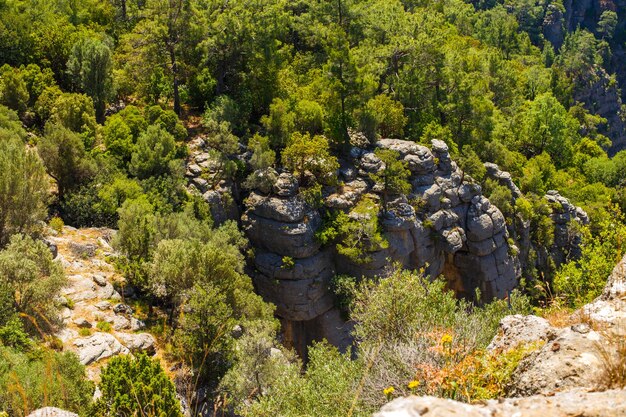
(449, 228)
(444, 226)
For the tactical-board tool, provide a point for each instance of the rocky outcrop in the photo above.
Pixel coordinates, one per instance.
(203, 177)
(573, 356)
(567, 240)
(448, 227)
(99, 346)
(518, 329)
(568, 404)
(92, 303)
(569, 359)
(444, 225)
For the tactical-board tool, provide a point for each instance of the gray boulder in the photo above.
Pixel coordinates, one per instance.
(286, 185)
(138, 342)
(518, 329)
(98, 346)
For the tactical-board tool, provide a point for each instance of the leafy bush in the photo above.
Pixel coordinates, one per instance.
(32, 280)
(24, 188)
(56, 224)
(135, 386)
(359, 232)
(580, 281)
(411, 332)
(42, 378)
(104, 326)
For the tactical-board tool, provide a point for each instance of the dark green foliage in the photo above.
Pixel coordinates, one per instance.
(13, 90)
(393, 177)
(153, 154)
(90, 67)
(135, 386)
(64, 155)
(359, 232)
(305, 153)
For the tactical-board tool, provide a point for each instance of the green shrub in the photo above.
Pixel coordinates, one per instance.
(104, 326)
(288, 262)
(24, 186)
(84, 332)
(580, 281)
(42, 378)
(56, 224)
(13, 335)
(32, 279)
(136, 386)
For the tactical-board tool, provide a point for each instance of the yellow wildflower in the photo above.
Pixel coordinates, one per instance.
(413, 384)
(446, 339)
(389, 391)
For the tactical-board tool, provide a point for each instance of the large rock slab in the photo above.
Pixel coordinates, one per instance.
(568, 404)
(51, 412)
(99, 346)
(138, 342)
(296, 240)
(518, 329)
(570, 360)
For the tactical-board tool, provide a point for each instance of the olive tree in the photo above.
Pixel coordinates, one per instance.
(24, 188)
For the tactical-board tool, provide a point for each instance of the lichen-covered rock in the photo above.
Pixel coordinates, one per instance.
(286, 185)
(296, 240)
(138, 342)
(443, 224)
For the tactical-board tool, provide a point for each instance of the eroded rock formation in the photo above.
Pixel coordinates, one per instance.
(444, 225)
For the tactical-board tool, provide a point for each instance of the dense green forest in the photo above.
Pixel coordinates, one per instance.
(100, 100)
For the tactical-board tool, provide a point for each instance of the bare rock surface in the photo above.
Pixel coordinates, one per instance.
(91, 298)
(575, 403)
(99, 346)
(521, 329)
(568, 361)
(51, 412)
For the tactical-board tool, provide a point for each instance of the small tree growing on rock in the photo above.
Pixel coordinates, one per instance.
(305, 153)
(393, 176)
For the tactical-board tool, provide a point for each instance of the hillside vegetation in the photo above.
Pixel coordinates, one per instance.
(175, 122)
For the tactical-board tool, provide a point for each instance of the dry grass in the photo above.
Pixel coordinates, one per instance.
(612, 354)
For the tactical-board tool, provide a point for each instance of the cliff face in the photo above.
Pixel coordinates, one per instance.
(599, 93)
(444, 226)
(454, 230)
(567, 241)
